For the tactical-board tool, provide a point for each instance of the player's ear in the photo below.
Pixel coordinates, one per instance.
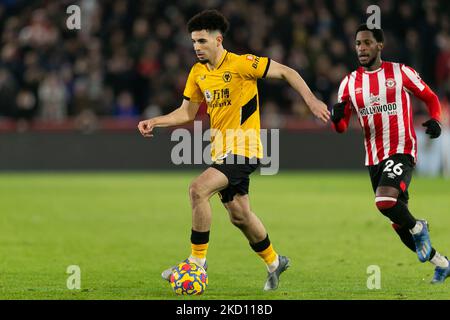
(219, 40)
(380, 46)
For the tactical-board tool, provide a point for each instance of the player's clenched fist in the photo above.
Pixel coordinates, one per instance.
(338, 112)
(146, 127)
(433, 128)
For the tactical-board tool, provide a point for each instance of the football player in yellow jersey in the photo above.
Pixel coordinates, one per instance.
(227, 82)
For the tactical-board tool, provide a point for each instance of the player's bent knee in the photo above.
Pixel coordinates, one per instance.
(238, 216)
(196, 192)
(239, 220)
(385, 203)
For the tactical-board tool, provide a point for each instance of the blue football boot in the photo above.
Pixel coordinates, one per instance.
(422, 242)
(440, 274)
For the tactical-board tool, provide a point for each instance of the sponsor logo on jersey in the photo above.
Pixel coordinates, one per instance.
(255, 64)
(218, 104)
(390, 109)
(218, 98)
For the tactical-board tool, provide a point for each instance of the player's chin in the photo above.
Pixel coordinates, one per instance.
(363, 63)
(367, 62)
(203, 61)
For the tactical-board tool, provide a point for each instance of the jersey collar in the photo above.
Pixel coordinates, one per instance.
(219, 64)
(361, 69)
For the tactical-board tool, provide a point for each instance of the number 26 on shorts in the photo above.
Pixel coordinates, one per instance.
(390, 166)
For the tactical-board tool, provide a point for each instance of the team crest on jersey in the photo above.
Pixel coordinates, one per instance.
(226, 76)
(203, 77)
(208, 96)
(390, 83)
(358, 90)
(250, 58)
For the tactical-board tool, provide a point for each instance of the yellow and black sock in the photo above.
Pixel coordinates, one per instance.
(265, 250)
(199, 246)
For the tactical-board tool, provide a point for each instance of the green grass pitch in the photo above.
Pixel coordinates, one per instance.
(123, 229)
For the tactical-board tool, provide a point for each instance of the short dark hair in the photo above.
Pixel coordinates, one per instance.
(210, 20)
(377, 32)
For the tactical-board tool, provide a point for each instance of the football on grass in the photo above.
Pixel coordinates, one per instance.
(188, 279)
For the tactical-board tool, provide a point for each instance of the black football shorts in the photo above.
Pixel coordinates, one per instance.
(395, 171)
(237, 169)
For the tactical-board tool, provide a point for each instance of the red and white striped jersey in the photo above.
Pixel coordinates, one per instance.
(382, 102)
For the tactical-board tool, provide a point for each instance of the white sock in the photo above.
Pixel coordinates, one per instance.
(199, 261)
(274, 265)
(439, 260)
(417, 228)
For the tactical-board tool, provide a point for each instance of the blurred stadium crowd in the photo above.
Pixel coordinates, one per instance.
(132, 58)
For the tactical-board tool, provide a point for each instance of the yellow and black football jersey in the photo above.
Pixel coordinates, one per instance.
(231, 94)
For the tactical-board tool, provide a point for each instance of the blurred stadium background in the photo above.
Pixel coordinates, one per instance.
(131, 59)
(71, 100)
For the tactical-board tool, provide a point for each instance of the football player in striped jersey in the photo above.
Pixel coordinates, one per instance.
(378, 93)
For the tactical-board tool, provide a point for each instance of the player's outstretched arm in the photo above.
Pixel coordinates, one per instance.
(280, 71)
(185, 113)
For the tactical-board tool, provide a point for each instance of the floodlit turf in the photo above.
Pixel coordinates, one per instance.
(123, 229)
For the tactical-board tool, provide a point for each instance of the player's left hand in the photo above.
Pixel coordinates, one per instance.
(433, 128)
(319, 109)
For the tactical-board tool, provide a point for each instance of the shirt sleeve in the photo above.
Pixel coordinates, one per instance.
(412, 80)
(414, 84)
(344, 96)
(192, 91)
(253, 67)
(343, 93)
